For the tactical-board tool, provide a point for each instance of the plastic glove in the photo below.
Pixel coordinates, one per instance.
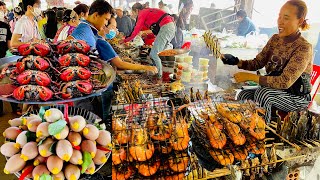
(229, 59)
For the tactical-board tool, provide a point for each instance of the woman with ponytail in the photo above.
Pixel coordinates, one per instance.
(71, 21)
(50, 29)
(287, 58)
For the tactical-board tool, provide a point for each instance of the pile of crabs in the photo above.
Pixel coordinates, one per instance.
(230, 133)
(150, 143)
(59, 71)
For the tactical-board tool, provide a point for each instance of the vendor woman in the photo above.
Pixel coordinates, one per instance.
(287, 58)
(148, 17)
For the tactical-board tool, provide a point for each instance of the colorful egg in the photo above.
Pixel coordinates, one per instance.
(29, 151)
(72, 172)
(9, 149)
(42, 130)
(100, 157)
(74, 138)
(11, 133)
(53, 114)
(77, 123)
(33, 125)
(63, 134)
(76, 157)
(44, 148)
(89, 146)
(38, 171)
(104, 138)
(14, 164)
(54, 164)
(64, 150)
(90, 132)
(22, 139)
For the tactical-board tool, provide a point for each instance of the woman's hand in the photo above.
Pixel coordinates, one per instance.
(151, 69)
(244, 76)
(229, 59)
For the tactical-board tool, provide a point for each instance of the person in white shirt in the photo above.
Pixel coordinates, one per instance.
(26, 28)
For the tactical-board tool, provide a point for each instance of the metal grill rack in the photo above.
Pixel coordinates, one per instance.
(150, 141)
(217, 141)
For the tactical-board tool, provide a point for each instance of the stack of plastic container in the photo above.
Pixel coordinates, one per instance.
(187, 69)
(178, 68)
(203, 68)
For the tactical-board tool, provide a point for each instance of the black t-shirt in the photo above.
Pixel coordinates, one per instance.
(5, 36)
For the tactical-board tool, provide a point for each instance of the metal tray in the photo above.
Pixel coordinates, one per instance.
(6, 88)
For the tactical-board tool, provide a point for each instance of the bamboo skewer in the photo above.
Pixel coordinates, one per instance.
(268, 139)
(273, 125)
(284, 139)
(281, 160)
(277, 144)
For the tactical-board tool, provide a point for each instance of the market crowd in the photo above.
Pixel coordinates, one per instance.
(97, 25)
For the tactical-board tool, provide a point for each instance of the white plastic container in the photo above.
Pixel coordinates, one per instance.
(179, 58)
(203, 61)
(204, 68)
(188, 59)
(186, 76)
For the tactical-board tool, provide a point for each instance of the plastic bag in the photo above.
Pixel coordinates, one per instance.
(138, 41)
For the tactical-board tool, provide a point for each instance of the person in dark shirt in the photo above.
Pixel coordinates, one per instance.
(5, 44)
(51, 27)
(5, 38)
(246, 26)
(124, 22)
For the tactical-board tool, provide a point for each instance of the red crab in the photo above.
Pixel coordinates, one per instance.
(69, 46)
(34, 63)
(74, 73)
(32, 92)
(33, 77)
(74, 59)
(34, 48)
(9, 70)
(75, 89)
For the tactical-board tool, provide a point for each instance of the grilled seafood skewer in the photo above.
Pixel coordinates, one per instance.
(148, 169)
(273, 156)
(240, 153)
(179, 136)
(259, 131)
(245, 164)
(302, 125)
(216, 137)
(315, 128)
(141, 149)
(222, 157)
(230, 111)
(234, 133)
(265, 160)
